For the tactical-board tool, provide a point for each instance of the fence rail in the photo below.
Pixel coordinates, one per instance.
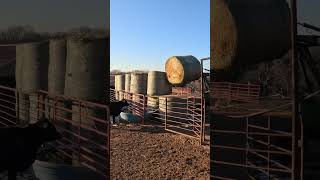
(84, 125)
(235, 91)
(180, 114)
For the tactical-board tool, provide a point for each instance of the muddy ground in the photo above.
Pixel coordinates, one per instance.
(148, 152)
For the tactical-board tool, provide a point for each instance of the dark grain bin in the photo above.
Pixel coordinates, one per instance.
(32, 66)
(248, 31)
(86, 69)
(158, 83)
(182, 69)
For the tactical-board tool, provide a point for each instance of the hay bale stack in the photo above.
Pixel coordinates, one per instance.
(86, 78)
(119, 86)
(138, 83)
(182, 69)
(153, 102)
(174, 106)
(127, 82)
(56, 75)
(32, 67)
(247, 32)
(86, 69)
(57, 66)
(23, 108)
(31, 76)
(158, 83)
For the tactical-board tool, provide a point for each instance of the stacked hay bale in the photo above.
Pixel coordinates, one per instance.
(157, 85)
(31, 75)
(127, 83)
(138, 86)
(119, 86)
(175, 106)
(243, 33)
(56, 76)
(182, 69)
(85, 79)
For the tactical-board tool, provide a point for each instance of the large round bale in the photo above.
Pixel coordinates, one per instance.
(57, 66)
(138, 83)
(127, 82)
(119, 86)
(86, 69)
(153, 102)
(182, 69)
(23, 106)
(158, 83)
(19, 65)
(56, 73)
(33, 111)
(248, 31)
(32, 66)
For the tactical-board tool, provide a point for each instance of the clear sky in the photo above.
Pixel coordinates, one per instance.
(54, 15)
(145, 33)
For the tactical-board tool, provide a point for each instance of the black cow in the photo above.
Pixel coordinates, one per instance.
(116, 108)
(19, 145)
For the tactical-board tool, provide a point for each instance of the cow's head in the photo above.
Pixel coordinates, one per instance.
(47, 130)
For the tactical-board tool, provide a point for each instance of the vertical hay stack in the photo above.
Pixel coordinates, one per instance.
(56, 74)
(175, 105)
(86, 71)
(157, 85)
(182, 69)
(119, 86)
(138, 86)
(31, 74)
(86, 79)
(127, 82)
(247, 32)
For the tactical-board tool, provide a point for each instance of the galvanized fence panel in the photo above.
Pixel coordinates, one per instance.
(84, 125)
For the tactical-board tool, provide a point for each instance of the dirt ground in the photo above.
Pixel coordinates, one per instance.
(148, 152)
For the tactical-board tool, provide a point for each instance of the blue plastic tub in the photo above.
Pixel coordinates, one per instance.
(130, 117)
(52, 171)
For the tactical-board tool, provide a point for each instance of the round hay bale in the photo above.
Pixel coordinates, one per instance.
(119, 86)
(153, 102)
(127, 82)
(32, 66)
(23, 106)
(19, 65)
(57, 66)
(158, 83)
(248, 31)
(33, 111)
(86, 69)
(138, 84)
(176, 107)
(182, 69)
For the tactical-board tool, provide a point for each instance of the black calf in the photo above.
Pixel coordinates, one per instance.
(116, 108)
(19, 145)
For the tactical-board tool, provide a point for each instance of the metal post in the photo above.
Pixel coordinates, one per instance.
(295, 122)
(202, 103)
(165, 115)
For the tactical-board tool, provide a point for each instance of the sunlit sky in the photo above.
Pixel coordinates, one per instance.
(145, 33)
